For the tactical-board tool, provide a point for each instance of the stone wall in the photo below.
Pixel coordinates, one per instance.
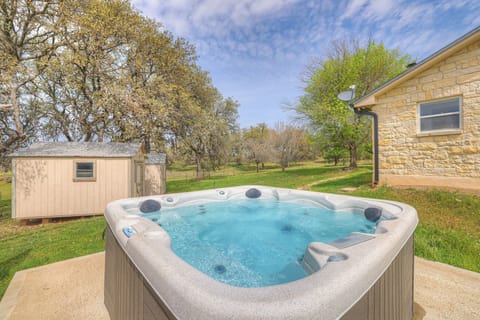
(406, 154)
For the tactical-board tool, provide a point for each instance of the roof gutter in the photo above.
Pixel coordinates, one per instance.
(470, 36)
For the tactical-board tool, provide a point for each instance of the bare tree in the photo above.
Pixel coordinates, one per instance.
(256, 145)
(288, 143)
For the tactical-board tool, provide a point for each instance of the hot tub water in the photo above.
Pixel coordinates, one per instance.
(253, 242)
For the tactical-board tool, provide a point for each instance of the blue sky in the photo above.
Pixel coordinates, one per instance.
(256, 50)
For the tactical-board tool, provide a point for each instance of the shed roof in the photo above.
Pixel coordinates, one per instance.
(468, 38)
(79, 149)
(155, 158)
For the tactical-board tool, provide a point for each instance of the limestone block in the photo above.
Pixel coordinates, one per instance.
(427, 146)
(440, 155)
(432, 77)
(448, 66)
(442, 84)
(428, 163)
(469, 77)
(384, 165)
(471, 149)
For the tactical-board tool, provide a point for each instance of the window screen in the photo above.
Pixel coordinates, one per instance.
(84, 170)
(440, 115)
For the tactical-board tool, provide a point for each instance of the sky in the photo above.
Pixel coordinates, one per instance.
(257, 51)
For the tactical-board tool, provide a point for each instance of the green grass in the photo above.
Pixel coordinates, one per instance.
(24, 247)
(293, 177)
(449, 228)
(449, 222)
(5, 187)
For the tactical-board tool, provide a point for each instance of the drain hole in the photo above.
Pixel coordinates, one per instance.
(287, 228)
(154, 219)
(220, 269)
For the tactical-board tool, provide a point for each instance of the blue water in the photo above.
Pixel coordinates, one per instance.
(253, 243)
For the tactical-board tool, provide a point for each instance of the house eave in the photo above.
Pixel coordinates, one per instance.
(369, 99)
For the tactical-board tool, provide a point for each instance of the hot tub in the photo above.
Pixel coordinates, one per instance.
(363, 270)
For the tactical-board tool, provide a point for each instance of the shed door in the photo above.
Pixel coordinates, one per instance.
(139, 178)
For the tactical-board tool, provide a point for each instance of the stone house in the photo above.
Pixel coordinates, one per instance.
(429, 120)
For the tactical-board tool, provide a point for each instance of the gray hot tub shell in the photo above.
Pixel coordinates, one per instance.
(371, 279)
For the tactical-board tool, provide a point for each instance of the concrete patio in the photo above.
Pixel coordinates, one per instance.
(73, 289)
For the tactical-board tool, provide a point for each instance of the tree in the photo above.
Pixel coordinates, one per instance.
(27, 42)
(81, 88)
(96, 70)
(206, 140)
(288, 143)
(256, 146)
(347, 64)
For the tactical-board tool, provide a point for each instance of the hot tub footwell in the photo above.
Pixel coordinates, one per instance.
(129, 296)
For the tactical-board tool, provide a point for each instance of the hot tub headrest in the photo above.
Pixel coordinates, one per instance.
(150, 206)
(253, 193)
(373, 214)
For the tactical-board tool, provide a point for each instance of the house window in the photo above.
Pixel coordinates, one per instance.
(440, 115)
(84, 171)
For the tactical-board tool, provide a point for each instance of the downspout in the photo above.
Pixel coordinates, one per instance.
(375, 140)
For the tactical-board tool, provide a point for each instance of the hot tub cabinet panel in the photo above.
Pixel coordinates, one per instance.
(128, 296)
(144, 279)
(391, 297)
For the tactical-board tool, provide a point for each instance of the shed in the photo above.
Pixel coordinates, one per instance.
(63, 179)
(155, 174)
(428, 120)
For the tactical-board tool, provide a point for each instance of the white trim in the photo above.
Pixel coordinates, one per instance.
(440, 131)
(82, 179)
(440, 115)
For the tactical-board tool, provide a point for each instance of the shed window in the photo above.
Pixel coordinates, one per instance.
(84, 170)
(440, 115)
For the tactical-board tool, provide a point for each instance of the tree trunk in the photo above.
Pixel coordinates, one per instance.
(353, 156)
(16, 110)
(198, 161)
(256, 162)
(146, 144)
(100, 135)
(283, 164)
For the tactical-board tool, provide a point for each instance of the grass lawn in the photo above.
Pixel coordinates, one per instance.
(294, 177)
(449, 228)
(24, 247)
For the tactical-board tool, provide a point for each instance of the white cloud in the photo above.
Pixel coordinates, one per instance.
(255, 47)
(353, 8)
(383, 7)
(216, 17)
